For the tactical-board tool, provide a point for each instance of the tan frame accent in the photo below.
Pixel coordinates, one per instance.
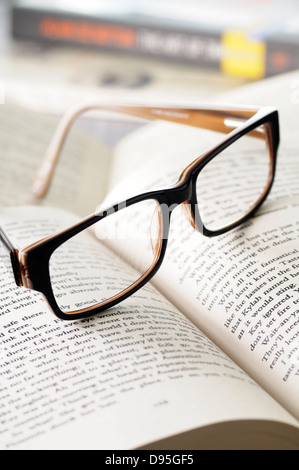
(30, 262)
(216, 119)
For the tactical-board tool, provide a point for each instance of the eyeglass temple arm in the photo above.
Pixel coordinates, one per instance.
(214, 119)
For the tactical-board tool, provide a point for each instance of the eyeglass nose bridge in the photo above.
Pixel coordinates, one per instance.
(182, 194)
(189, 213)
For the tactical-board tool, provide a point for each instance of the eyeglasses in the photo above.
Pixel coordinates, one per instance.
(82, 271)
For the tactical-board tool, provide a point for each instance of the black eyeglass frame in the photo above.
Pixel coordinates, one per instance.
(29, 267)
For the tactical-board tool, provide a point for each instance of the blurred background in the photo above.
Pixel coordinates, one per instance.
(56, 53)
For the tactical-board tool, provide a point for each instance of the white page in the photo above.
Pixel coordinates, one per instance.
(138, 373)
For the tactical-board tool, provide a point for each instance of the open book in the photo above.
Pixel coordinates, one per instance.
(206, 356)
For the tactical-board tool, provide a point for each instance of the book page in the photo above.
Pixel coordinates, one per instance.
(80, 182)
(242, 291)
(241, 288)
(138, 373)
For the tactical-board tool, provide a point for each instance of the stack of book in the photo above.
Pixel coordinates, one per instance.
(237, 40)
